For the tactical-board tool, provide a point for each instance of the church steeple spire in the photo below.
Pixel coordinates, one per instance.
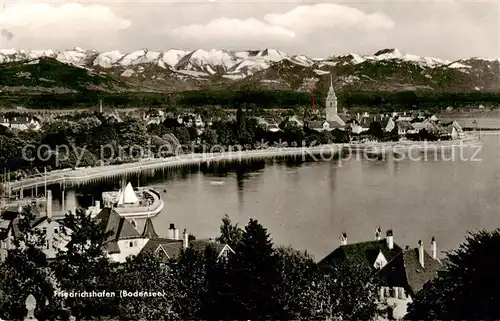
(331, 106)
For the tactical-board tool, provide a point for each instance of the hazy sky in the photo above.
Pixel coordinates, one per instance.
(449, 30)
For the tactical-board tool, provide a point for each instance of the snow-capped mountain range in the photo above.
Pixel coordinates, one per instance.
(271, 66)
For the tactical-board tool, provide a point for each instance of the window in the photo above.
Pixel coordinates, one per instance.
(56, 231)
(135, 243)
(131, 244)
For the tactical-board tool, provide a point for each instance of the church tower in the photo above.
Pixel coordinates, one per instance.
(331, 103)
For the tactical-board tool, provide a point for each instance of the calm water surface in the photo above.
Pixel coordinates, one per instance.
(309, 205)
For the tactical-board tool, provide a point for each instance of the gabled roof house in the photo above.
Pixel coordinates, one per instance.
(403, 273)
(171, 247)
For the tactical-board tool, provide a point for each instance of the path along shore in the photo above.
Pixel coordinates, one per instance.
(79, 175)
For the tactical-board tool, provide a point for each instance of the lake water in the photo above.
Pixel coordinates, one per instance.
(309, 204)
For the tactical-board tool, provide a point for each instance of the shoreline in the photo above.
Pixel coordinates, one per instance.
(79, 175)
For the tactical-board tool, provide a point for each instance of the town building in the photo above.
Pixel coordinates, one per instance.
(403, 272)
(332, 119)
(20, 123)
(154, 117)
(126, 240)
(172, 246)
(269, 124)
(56, 236)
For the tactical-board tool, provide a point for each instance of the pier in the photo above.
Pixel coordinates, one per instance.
(150, 210)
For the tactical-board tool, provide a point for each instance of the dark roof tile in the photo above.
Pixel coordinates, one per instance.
(121, 229)
(149, 230)
(405, 270)
(364, 253)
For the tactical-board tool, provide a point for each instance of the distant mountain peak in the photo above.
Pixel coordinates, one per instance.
(394, 51)
(271, 68)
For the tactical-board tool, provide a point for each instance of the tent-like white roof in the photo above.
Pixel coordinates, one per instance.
(128, 196)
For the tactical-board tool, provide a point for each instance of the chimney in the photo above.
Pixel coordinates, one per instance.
(49, 204)
(390, 239)
(170, 234)
(434, 248)
(185, 242)
(176, 234)
(378, 233)
(421, 253)
(343, 239)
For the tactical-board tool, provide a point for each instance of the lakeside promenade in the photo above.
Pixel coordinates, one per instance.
(80, 175)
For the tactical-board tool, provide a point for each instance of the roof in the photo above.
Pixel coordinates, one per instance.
(173, 248)
(384, 121)
(364, 253)
(201, 245)
(334, 124)
(149, 230)
(10, 222)
(170, 248)
(346, 118)
(315, 123)
(405, 270)
(120, 227)
(404, 125)
(366, 121)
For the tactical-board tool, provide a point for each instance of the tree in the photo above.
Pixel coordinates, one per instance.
(210, 136)
(241, 129)
(230, 234)
(182, 134)
(85, 267)
(376, 130)
(394, 134)
(26, 271)
(252, 276)
(146, 272)
(345, 291)
(189, 275)
(296, 296)
(468, 288)
(216, 286)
